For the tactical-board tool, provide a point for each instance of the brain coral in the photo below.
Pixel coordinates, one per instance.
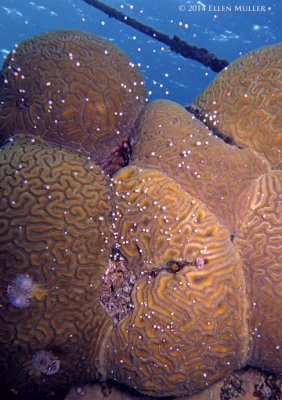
(55, 228)
(166, 277)
(71, 88)
(188, 328)
(244, 102)
(221, 175)
(259, 244)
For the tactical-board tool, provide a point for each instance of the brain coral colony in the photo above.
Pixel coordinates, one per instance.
(139, 243)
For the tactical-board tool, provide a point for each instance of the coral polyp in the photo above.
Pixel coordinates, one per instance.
(45, 362)
(20, 290)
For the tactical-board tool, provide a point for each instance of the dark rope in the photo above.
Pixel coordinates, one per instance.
(177, 45)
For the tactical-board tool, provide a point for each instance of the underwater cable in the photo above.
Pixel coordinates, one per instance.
(176, 44)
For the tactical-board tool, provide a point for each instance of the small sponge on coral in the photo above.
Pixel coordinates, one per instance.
(244, 102)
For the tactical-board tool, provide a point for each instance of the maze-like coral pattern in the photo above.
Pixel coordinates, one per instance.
(244, 102)
(55, 226)
(259, 244)
(187, 328)
(221, 175)
(196, 221)
(71, 88)
(156, 221)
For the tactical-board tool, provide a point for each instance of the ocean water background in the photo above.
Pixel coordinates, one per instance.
(226, 33)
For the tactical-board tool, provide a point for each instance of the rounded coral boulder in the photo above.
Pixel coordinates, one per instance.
(165, 277)
(244, 102)
(71, 88)
(188, 324)
(55, 240)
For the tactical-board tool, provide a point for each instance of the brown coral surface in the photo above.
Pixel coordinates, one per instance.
(244, 102)
(175, 142)
(187, 328)
(260, 246)
(166, 277)
(71, 88)
(55, 227)
(246, 384)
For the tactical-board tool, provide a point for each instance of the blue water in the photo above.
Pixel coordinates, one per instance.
(227, 33)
